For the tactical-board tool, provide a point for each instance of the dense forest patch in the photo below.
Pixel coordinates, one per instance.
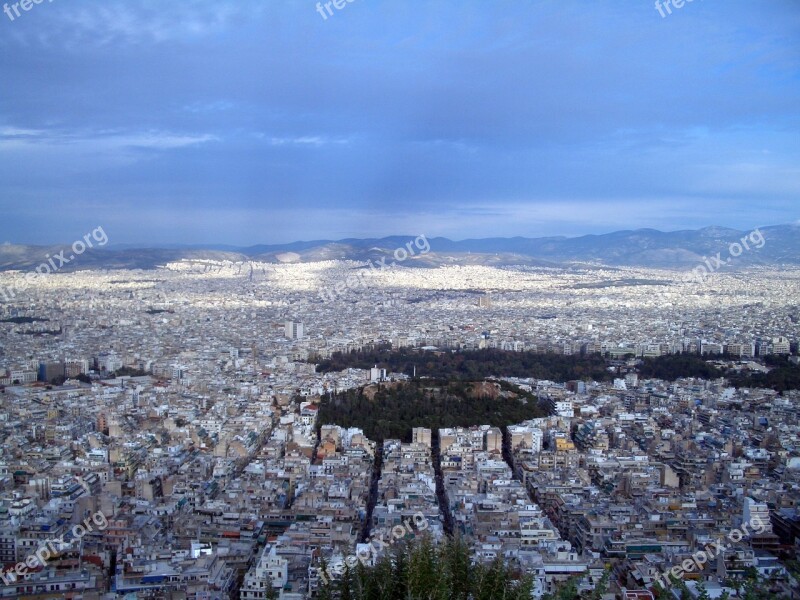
(473, 365)
(476, 365)
(391, 410)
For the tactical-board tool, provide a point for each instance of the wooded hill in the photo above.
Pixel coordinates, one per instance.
(390, 410)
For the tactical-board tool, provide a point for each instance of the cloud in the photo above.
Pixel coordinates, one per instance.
(56, 154)
(135, 23)
(478, 118)
(17, 132)
(161, 140)
(306, 140)
(209, 107)
(16, 138)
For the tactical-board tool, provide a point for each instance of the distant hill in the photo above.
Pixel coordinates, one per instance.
(641, 248)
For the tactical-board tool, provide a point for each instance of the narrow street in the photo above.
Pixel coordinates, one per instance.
(373, 492)
(441, 494)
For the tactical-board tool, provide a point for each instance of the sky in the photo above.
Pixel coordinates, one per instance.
(248, 122)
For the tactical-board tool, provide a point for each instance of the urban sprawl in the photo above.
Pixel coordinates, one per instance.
(161, 438)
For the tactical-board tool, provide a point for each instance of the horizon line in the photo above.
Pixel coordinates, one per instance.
(202, 245)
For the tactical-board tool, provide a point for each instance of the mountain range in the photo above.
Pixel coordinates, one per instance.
(771, 245)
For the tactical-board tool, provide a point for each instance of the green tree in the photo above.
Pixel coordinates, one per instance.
(325, 588)
(424, 571)
(566, 591)
(681, 585)
(345, 584)
(400, 573)
(602, 586)
(702, 592)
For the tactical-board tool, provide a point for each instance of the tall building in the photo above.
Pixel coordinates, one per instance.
(780, 345)
(421, 435)
(294, 330)
(376, 374)
(494, 440)
(73, 368)
(109, 362)
(271, 571)
(51, 370)
(758, 512)
(741, 349)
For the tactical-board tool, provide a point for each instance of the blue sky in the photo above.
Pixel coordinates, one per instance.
(261, 122)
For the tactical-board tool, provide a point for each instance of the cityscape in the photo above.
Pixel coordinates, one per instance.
(399, 302)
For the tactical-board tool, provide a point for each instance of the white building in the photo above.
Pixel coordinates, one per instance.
(780, 345)
(526, 437)
(109, 362)
(376, 374)
(757, 514)
(563, 408)
(421, 435)
(270, 572)
(294, 330)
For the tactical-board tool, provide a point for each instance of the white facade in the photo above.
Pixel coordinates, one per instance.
(757, 514)
(293, 330)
